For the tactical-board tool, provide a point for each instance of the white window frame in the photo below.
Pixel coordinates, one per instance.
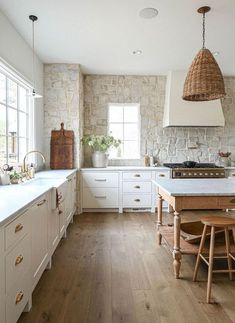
(138, 123)
(12, 75)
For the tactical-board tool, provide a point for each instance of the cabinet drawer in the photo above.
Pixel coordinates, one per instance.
(17, 298)
(100, 179)
(17, 229)
(137, 175)
(136, 187)
(17, 262)
(162, 174)
(228, 202)
(100, 198)
(137, 200)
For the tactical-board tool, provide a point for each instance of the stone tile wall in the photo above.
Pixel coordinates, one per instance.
(63, 102)
(166, 144)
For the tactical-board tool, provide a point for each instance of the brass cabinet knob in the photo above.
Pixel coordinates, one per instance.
(18, 227)
(18, 260)
(19, 297)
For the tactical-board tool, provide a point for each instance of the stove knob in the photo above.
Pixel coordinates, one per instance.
(200, 174)
(195, 174)
(189, 174)
(216, 174)
(211, 174)
(206, 174)
(184, 174)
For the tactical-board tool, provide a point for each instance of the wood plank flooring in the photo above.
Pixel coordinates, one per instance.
(110, 270)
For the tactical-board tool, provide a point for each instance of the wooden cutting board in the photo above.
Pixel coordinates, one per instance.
(62, 149)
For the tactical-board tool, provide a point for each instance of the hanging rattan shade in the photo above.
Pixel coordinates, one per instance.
(204, 81)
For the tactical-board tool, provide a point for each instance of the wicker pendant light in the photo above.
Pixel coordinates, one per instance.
(204, 81)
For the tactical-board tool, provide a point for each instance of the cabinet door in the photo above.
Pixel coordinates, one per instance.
(68, 202)
(54, 231)
(2, 281)
(74, 194)
(39, 238)
(62, 218)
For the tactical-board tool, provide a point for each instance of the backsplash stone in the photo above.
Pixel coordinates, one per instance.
(166, 144)
(63, 102)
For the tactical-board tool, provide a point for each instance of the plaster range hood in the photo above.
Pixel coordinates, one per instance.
(181, 113)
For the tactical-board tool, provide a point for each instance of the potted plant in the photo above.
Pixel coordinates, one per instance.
(15, 177)
(100, 144)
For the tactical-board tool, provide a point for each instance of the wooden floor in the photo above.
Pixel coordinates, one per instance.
(109, 270)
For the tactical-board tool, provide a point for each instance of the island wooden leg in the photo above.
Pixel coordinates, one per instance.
(159, 219)
(176, 251)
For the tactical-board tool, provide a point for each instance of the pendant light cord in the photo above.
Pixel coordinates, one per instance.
(33, 55)
(203, 29)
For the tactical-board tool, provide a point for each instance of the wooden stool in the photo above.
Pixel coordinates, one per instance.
(220, 222)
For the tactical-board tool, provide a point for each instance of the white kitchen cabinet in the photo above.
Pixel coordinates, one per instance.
(120, 188)
(40, 254)
(53, 225)
(62, 219)
(100, 190)
(2, 280)
(70, 199)
(161, 174)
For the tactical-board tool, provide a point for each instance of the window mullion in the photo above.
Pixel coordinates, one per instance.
(6, 120)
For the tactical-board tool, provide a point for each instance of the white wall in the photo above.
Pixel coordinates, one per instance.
(17, 53)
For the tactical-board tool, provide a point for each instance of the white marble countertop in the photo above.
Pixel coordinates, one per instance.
(197, 187)
(15, 198)
(125, 168)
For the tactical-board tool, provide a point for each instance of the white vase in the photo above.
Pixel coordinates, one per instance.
(99, 159)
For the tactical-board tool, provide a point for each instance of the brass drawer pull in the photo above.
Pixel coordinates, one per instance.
(162, 175)
(19, 297)
(19, 227)
(18, 260)
(137, 175)
(137, 186)
(100, 197)
(41, 203)
(100, 179)
(137, 200)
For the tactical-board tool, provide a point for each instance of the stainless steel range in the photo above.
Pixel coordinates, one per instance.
(199, 170)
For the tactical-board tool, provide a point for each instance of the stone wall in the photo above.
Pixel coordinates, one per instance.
(166, 144)
(63, 102)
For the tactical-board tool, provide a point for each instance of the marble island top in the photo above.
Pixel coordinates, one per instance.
(197, 187)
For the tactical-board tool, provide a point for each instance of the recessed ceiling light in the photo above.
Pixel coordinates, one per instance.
(137, 52)
(148, 13)
(215, 53)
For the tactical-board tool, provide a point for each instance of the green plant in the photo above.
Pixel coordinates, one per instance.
(15, 175)
(100, 142)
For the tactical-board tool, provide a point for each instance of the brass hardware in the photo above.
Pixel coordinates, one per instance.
(100, 197)
(41, 203)
(19, 227)
(137, 175)
(18, 260)
(100, 180)
(137, 200)
(137, 186)
(162, 175)
(232, 201)
(30, 152)
(19, 297)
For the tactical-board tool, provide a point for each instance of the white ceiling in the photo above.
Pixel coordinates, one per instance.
(102, 34)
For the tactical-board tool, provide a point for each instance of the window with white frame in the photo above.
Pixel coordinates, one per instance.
(124, 124)
(14, 119)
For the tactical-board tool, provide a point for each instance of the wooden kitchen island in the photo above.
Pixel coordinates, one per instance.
(190, 194)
